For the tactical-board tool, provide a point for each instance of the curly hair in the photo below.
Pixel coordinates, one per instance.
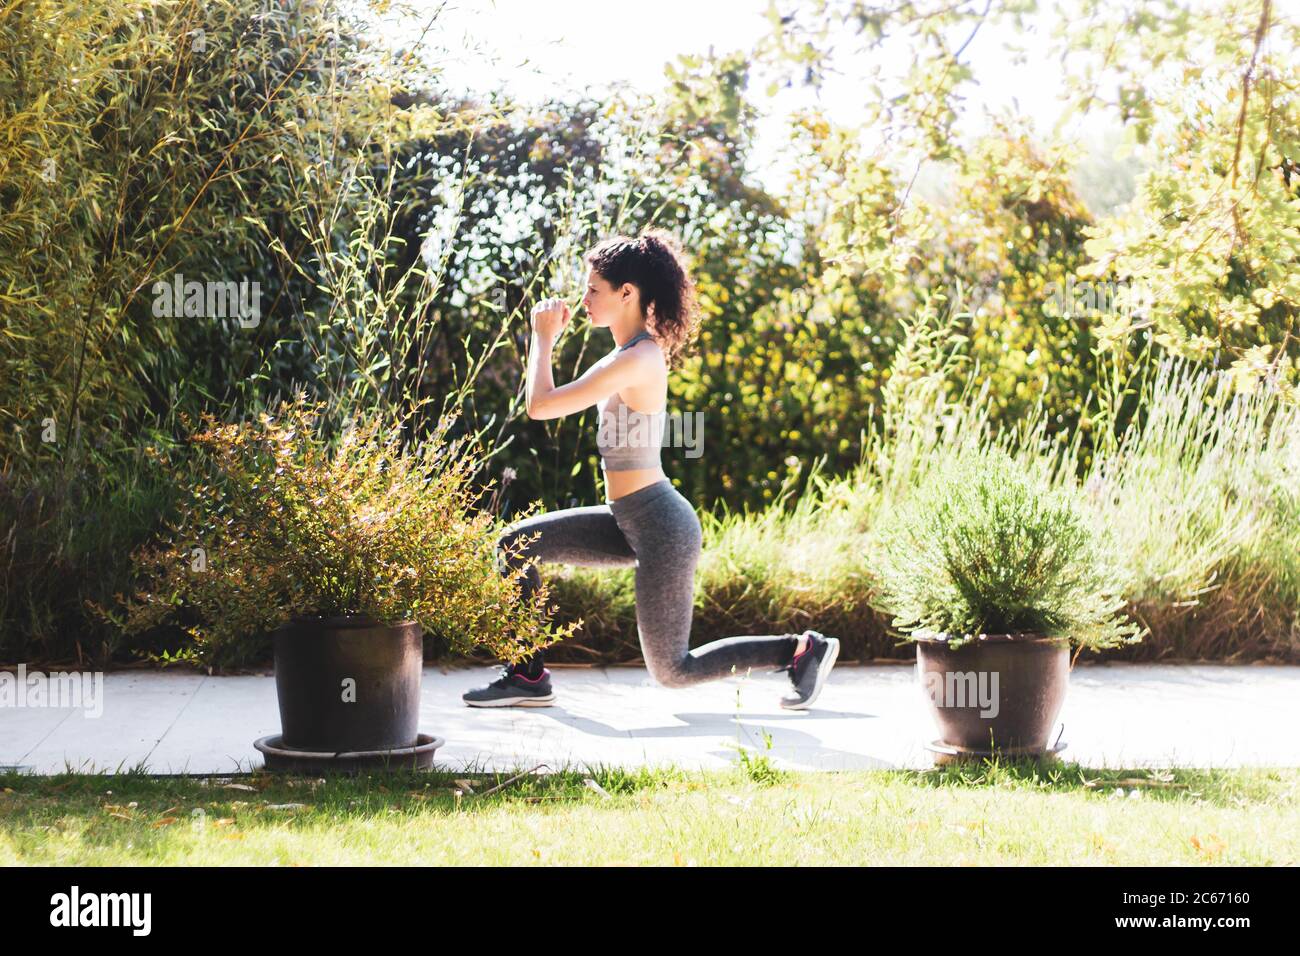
(655, 264)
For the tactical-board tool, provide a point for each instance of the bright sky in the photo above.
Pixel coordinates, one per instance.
(533, 48)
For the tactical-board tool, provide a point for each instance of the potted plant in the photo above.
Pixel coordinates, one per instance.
(994, 568)
(346, 549)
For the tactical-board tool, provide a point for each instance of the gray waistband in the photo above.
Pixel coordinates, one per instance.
(638, 499)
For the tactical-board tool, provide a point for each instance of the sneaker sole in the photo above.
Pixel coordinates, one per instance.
(514, 702)
(823, 672)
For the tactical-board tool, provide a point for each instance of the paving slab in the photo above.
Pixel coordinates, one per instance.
(868, 717)
(138, 708)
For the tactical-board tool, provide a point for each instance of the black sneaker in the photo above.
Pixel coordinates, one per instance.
(512, 689)
(809, 670)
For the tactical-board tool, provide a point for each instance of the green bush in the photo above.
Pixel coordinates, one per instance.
(154, 140)
(141, 141)
(281, 522)
(64, 536)
(1201, 484)
(986, 546)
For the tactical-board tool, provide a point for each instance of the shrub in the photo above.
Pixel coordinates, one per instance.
(280, 522)
(64, 535)
(1201, 484)
(985, 545)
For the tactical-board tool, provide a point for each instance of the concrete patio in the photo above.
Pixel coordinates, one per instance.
(868, 717)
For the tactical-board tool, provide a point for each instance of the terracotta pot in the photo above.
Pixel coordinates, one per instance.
(348, 684)
(1000, 693)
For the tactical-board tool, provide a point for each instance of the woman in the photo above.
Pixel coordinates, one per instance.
(640, 290)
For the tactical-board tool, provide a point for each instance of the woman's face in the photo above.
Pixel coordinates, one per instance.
(604, 303)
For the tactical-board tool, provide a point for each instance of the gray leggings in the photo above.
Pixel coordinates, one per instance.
(655, 530)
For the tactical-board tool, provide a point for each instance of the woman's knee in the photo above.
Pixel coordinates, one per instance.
(669, 673)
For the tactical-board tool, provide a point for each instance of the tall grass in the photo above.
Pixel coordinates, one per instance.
(63, 541)
(1202, 490)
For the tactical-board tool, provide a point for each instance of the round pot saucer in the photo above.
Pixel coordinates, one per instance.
(280, 757)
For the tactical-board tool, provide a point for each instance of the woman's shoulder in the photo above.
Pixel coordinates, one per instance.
(646, 346)
(646, 349)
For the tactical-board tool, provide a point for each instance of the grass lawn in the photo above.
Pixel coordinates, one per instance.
(756, 814)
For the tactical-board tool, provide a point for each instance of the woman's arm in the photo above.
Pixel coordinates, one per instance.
(538, 378)
(629, 368)
(598, 382)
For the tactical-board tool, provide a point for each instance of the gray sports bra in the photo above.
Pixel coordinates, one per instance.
(628, 439)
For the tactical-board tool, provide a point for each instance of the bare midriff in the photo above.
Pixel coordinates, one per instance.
(620, 483)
